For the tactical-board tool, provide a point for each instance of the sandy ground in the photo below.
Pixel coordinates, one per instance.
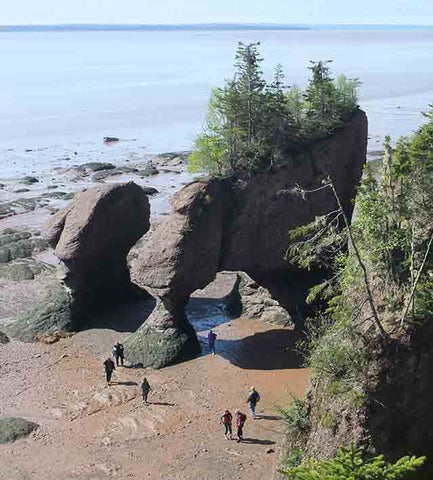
(91, 431)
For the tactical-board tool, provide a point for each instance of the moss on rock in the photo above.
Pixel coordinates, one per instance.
(12, 429)
(54, 314)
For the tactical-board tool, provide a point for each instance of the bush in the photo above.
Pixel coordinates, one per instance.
(295, 417)
(351, 464)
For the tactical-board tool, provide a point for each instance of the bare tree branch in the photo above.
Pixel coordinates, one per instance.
(406, 310)
(382, 332)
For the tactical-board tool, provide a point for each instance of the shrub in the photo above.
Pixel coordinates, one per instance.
(351, 464)
(295, 417)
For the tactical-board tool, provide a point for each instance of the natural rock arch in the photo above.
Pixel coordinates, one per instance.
(236, 225)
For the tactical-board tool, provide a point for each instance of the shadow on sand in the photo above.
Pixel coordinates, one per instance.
(268, 417)
(127, 315)
(258, 441)
(125, 384)
(270, 350)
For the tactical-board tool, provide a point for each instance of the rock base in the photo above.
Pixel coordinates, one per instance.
(162, 341)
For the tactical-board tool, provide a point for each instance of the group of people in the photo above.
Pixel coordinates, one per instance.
(118, 353)
(240, 418)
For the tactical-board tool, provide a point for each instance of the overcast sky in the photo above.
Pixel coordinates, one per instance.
(218, 11)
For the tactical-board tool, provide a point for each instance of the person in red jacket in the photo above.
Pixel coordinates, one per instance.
(226, 419)
(240, 419)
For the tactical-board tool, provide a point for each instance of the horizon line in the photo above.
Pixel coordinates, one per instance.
(197, 25)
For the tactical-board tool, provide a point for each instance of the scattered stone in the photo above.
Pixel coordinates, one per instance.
(4, 338)
(100, 176)
(148, 170)
(52, 187)
(19, 244)
(96, 166)
(48, 338)
(270, 450)
(28, 180)
(58, 195)
(22, 190)
(110, 139)
(150, 190)
(12, 429)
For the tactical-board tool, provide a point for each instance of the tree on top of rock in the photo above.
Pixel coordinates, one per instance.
(253, 125)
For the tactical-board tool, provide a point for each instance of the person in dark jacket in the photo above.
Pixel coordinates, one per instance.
(109, 368)
(120, 353)
(226, 419)
(253, 398)
(240, 419)
(211, 337)
(145, 389)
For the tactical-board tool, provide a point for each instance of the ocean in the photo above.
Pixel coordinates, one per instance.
(62, 91)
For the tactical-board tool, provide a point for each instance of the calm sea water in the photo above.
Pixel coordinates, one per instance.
(62, 91)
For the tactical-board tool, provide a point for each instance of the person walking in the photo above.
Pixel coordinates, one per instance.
(120, 353)
(114, 352)
(240, 419)
(253, 399)
(226, 419)
(145, 389)
(109, 368)
(211, 337)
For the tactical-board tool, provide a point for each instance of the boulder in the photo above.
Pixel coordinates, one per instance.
(91, 236)
(239, 224)
(252, 300)
(12, 429)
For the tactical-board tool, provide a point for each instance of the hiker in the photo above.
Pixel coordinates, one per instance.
(109, 368)
(253, 398)
(145, 388)
(240, 419)
(114, 352)
(119, 353)
(226, 419)
(211, 337)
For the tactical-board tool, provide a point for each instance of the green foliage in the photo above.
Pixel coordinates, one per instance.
(293, 458)
(295, 418)
(187, 228)
(352, 464)
(252, 125)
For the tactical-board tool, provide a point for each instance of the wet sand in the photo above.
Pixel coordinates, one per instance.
(91, 431)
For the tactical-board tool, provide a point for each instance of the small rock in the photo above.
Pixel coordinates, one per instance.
(28, 180)
(150, 190)
(3, 338)
(270, 450)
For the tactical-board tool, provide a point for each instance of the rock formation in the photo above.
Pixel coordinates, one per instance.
(92, 237)
(393, 416)
(237, 225)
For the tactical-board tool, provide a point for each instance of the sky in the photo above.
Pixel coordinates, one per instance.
(24, 12)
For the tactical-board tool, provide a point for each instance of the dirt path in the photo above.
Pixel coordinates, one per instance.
(90, 431)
